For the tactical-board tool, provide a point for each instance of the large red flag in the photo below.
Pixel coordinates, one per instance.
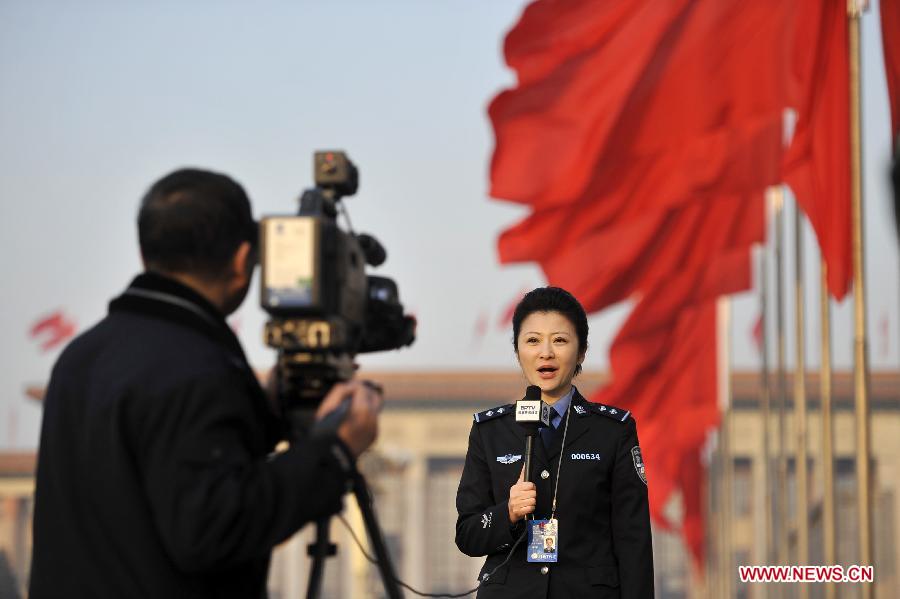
(664, 370)
(648, 337)
(817, 163)
(619, 169)
(550, 129)
(621, 85)
(739, 159)
(608, 265)
(663, 364)
(674, 403)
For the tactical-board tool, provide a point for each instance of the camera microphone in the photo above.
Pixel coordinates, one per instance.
(531, 414)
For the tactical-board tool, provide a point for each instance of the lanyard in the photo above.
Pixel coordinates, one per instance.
(562, 451)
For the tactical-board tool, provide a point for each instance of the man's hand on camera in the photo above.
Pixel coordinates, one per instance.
(360, 425)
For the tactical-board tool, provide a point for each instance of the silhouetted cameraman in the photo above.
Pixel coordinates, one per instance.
(155, 474)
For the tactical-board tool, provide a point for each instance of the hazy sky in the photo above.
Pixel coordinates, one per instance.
(98, 99)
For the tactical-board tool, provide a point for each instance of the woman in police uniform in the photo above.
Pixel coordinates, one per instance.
(588, 463)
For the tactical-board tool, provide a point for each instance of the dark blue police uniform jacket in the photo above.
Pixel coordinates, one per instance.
(604, 543)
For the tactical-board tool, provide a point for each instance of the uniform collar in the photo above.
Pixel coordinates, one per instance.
(577, 425)
(562, 404)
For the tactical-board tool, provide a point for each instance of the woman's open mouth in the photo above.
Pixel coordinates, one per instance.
(547, 372)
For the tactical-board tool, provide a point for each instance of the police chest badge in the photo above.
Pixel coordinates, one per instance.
(638, 463)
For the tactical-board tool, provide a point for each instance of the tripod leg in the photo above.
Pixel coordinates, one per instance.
(385, 566)
(319, 550)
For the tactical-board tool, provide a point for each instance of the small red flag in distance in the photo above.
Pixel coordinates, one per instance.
(53, 330)
(506, 316)
(757, 333)
(481, 327)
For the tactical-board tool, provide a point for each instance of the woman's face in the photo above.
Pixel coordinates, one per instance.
(547, 348)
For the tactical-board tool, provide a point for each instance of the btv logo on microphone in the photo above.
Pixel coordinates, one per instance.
(536, 411)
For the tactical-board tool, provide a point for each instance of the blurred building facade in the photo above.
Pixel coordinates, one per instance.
(416, 465)
(16, 503)
(749, 505)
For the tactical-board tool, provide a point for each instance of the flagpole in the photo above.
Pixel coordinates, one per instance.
(722, 577)
(800, 433)
(781, 511)
(860, 353)
(717, 487)
(765, 394)
(828, 524)
(723, 341)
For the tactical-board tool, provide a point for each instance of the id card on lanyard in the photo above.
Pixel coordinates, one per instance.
(542, 540)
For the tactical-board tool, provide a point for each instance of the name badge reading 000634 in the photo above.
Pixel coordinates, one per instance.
(543, 537)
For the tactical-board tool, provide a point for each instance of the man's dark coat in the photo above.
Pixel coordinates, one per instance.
(153, 478)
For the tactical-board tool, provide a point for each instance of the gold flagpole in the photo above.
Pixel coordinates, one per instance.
(765, 394)
(860, 350)
(828, 521)
(782, 507)
(714, 510)
(802, 502)
(723, 519)
(723, 359)
(719, 587)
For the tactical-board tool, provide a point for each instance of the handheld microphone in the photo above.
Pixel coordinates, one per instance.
(531, 414)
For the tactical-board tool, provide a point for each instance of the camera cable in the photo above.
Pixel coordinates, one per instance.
(420, 593)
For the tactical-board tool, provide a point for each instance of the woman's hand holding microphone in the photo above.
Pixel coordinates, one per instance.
(522, 498)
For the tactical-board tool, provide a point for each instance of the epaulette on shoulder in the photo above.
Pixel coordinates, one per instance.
(610, 411)
(494, 413)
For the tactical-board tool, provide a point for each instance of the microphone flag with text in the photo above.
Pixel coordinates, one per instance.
(531, 414)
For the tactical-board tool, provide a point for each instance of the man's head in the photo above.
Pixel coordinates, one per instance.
(196, 226)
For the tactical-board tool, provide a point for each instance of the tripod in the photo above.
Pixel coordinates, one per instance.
(323, 548)
(300, 423)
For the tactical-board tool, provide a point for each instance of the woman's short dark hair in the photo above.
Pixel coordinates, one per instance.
(552, 299)
(193, 221)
